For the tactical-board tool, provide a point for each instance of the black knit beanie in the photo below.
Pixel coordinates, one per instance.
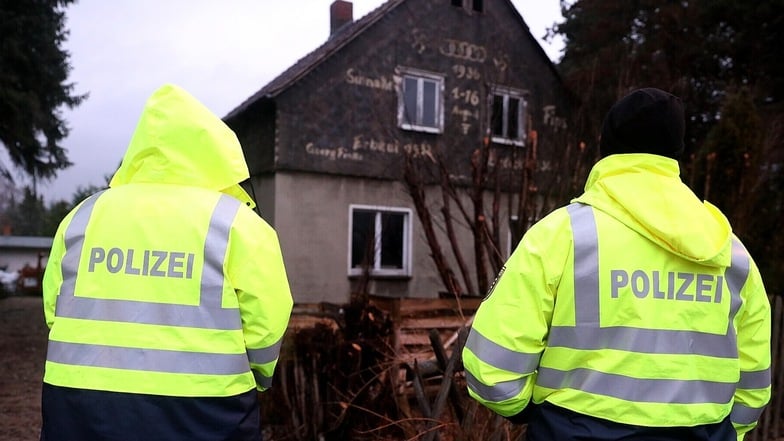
(645, 121)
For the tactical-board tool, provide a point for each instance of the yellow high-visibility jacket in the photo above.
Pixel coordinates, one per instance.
(168, 283)
(634, 304)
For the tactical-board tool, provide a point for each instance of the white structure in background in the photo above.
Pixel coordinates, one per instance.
(19, 252)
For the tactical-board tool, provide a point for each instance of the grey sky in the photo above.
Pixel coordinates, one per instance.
(220, 51)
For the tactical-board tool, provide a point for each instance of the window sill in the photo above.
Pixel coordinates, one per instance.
(381, 276)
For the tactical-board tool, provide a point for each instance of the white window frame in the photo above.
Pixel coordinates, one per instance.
(421, 76)
(506, 93)
(510, 247)
(377, 270)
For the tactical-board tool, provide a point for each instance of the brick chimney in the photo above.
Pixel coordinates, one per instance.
(340, 13)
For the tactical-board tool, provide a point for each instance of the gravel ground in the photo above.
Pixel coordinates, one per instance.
(22, 355)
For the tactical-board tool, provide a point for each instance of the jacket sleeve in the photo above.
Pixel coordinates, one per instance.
(259, 277)
(754, 333)
(53, 273)
(508, 335)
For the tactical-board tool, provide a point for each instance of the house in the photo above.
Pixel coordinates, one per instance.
(418, 82)
(16, 252)
(22, 262)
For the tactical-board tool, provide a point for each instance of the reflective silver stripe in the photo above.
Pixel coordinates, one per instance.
(74, 239)
(588, 335)
(209, 314)
(647, 341)
(262, 380)
(586, 263)
(131, 311)
(500, 392)
(637, 389)
(745, 415)
(215, 245)
(754, 380)
(498, 356)
(265, 355)
(736, 276)
(152, 360)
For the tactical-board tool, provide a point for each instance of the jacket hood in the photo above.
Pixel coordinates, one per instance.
(645, 192)
(179, 141)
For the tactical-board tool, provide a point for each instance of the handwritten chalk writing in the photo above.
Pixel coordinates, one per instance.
(382, 83)
(501, 63)
(420, 40)
(375, 145)
(333, 153)
(423, 150)
(506, 163)
(551, 119)
(468, 96)
(466, 72)
(465, 114)
(463, 50)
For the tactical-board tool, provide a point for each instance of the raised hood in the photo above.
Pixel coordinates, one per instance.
(645, 193)
(179, 141)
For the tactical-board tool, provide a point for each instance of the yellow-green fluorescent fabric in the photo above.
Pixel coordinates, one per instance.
(167, 283)
(634, 304)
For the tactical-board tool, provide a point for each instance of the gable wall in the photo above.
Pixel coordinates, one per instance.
(338, 142)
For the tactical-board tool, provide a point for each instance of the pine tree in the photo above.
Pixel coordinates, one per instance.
(33, 89)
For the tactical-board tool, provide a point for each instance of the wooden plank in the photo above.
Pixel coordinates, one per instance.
(432, 322)
(409, 357)
(297, 322)
(411, 306)
(414, 339)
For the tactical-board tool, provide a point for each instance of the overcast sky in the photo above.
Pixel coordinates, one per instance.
(220, 51)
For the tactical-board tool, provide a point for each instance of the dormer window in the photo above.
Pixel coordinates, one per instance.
(469, 5)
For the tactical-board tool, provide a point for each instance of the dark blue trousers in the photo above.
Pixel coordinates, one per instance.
(548, 423)
(88, 415)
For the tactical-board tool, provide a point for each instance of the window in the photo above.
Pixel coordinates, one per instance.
(380, 241)
(421, 101)
(508, 115)
(475, 5)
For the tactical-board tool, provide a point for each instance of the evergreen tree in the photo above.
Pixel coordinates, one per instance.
(722, 58)
(33, 87)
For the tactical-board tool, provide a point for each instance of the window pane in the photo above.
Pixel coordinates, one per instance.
(362, 234)
(523, 119)
(392, 240)
(497, 117)
(409, 100)
(429, 104)
(513, 121)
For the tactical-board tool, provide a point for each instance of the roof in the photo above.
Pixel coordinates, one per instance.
(33, 242)
(335, 43)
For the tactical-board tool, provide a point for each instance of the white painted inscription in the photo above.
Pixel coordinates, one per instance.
(357, 79)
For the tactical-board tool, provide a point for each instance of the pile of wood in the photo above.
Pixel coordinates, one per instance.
(380, 369)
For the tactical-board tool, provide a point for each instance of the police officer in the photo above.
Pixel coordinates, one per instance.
(166, 295)
(633, 313)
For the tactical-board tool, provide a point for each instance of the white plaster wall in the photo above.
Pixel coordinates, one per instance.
(311, 216)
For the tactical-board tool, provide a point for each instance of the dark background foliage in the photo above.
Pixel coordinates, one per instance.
(722, 57)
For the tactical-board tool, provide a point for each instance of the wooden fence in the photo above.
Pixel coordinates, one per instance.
(770, 425)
